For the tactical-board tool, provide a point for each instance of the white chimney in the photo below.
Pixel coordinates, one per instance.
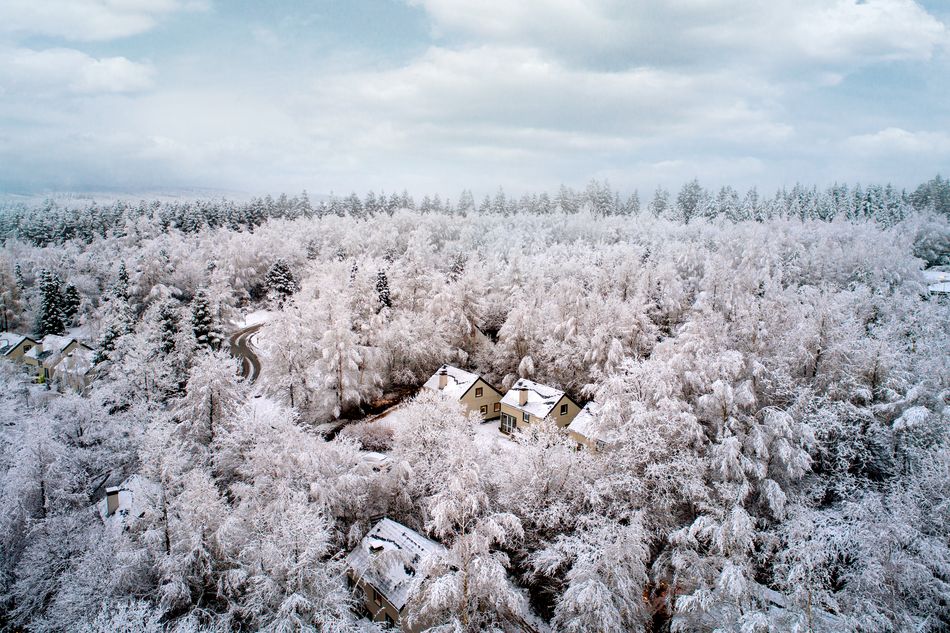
(443, 378)
(112, 500)
(522, 396)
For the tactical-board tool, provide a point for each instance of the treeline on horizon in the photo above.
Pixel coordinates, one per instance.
(52, 223)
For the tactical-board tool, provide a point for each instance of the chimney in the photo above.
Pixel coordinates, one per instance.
(522, 395)
(443, 378)
(112, 500)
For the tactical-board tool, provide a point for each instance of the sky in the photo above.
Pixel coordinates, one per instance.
(436, 96)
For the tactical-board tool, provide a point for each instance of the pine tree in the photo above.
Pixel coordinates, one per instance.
(120, 288)
(167, 326)
(51, 319)
(71, 302)
(203, 324)
(18, 276)
(281, 281)
(382, 290)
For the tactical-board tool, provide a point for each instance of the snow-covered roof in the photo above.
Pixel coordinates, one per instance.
(935, 275)
(586, 424)
(388, 557)
(458, 381)
(136, 494)
(76, 363)
(377, 461)
(9, 341)
(541, 398)
(942, 287)
(56, 343)
(37, 353)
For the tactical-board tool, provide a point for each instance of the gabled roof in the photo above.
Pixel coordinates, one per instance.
(541, 398)
(56, 343)
(587, 425)
(9, 341)
(458, 381)
(388, 557)
(76, 363)
(37, 353)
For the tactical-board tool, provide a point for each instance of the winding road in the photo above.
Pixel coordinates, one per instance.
(243, 350)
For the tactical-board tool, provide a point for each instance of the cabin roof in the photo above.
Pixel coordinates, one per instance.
(458, 383)
(388, 557)
(10, 340)
(587, 424)
(541, 398)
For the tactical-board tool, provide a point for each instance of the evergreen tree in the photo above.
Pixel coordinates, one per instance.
(71, 302)
(18, 276)
(203, 323)
(51, 319)
(167, 326)
(382, 290)
(120, 289)
(281, 281)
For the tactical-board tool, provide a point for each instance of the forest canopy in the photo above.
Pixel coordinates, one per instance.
(771, 370)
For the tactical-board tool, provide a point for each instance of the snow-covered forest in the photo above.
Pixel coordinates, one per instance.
(772, 370)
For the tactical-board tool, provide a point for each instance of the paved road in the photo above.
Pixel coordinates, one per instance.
(243, 350)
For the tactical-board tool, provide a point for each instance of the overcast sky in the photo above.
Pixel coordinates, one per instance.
(440, 95)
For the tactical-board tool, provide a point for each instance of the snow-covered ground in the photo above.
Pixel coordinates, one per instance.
(487, 433)
(253, 318)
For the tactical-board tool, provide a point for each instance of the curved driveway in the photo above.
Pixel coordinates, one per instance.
(243, 350)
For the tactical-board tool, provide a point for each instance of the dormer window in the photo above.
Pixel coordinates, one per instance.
(376, 549)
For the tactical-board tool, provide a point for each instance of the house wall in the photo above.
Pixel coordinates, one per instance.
(378, 612)
(16, 354)
(489, 398)
(560, 420)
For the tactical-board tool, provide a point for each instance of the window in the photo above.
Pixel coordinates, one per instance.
(390, 621)
(483, 409)
(563, 409)
(497, 407)
(526, 417)
(478, 392)
(507, 423)
(378, 599)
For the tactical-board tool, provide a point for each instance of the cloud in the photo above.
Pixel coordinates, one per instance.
(894, 140)
(504, 96)
(88, 20)
(694, 32)
(62, 70)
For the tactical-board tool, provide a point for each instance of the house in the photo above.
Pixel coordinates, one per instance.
(76, 369)
(45, 355)
(468, 388)
(585, 430)
(528, 402)
(938, 282)
(383, 567)
(129, 500)
(13, 346)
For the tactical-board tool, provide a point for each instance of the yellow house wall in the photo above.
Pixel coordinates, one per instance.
(17, 353)
(489, 398)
